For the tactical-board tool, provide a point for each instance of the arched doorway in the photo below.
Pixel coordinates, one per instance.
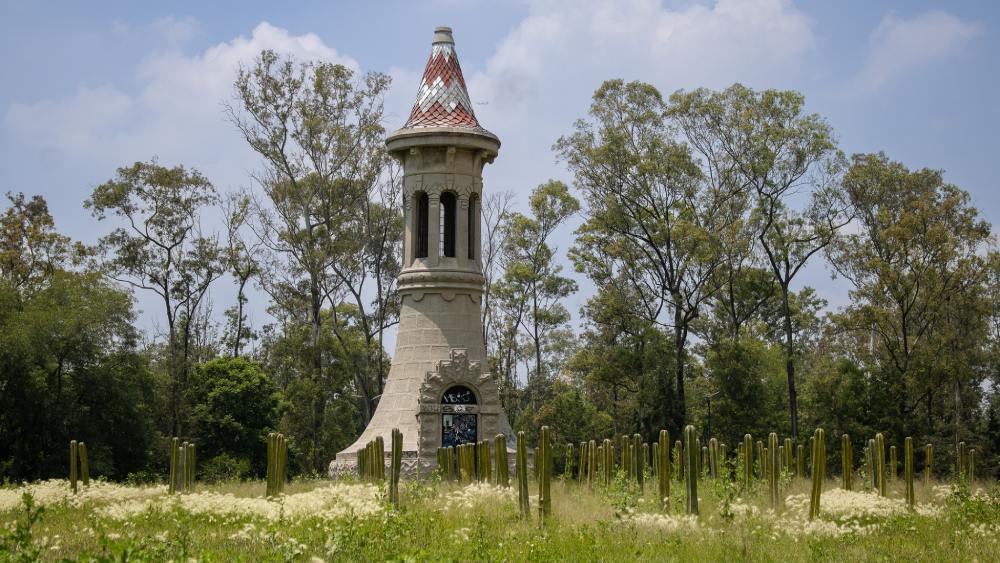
(457, 426)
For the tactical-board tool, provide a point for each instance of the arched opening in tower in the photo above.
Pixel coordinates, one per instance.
(448, 224)
(423, 210)
(473, 223)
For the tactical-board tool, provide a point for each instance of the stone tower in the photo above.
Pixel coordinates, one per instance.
(438, 391)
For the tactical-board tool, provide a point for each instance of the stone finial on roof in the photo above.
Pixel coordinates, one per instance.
(443, 100)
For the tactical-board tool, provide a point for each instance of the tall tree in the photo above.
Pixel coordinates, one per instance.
(765, 142)
(318, 128)
(915, 256)
(532, 287)
(162, 249)
(658, 217)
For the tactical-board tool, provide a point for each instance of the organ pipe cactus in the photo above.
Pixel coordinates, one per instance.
(568, 471)
(880, 463)
(678, 460)
(502, 471)
(962, 460)
(637, 461)
(908, 471)
(713, 458)
(773, 469)
(972, 466)
(591, 463)
(788, 455)
(691, 468)
(761, 460)
(174, 446)
(928, 464)
(543, 457)
(663, 468)
(818, 471)
(522, 475)
(395, 465)
(846, 466)
(582, 474)
(747, 461)
(609, 461)
(73, 452)
(84, 464)
(800, 461)
(654, 464)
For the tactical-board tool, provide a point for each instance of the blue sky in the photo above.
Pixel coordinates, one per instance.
(89, 86)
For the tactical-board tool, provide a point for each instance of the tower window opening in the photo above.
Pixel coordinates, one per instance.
(423, 210)
(448, 224)
(473, 223)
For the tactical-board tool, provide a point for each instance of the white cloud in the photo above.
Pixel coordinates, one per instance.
(177, 113)
(901, 45)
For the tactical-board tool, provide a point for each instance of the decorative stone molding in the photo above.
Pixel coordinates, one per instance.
(458, 370)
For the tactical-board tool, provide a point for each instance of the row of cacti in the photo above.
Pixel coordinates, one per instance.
(79, 465)
(483, 461)
(277, 463)
(182, 466)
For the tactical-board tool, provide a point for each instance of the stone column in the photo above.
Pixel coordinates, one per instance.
(433, 227)
(462, 230)
(409, 208)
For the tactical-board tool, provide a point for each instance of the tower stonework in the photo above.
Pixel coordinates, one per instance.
(439, 391)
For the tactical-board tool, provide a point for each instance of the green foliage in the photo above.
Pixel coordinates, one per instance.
(17, 542)
(224, 467)
(233, 407)
(70, 369)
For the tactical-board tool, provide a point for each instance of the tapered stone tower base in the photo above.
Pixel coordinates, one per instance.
(438, 391)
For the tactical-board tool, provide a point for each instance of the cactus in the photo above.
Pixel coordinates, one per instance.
(845, 462)
(543, 458)
(962, 461)
(880, 463)
(972, 466)
(773, 469)
(713, 458)
(678, 459)
(691, 468)
(747, 461)
(928, 464)
(174, 447)
(645, 458)
(591, 462)
(818, 471)
(637, 461)
(892, 464)
(654, 464)
(84, 464)
(522, 475)
(568, 471)
(181, 467)
(395, 465)
(73, 451)
(485, 461)
(788, 451)
(502, 471)
(609, 461)
(908, 471)
(662, 455)
(191, 465)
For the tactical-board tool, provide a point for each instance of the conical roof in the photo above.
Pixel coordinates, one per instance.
(443, 100)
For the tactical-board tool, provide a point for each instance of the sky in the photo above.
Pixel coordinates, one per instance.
(91, 86)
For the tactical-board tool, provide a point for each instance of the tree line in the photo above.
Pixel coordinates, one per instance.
(697, 214)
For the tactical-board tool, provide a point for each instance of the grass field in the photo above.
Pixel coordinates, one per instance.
(349, 521)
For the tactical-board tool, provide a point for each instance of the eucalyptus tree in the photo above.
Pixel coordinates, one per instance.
(655, 216)
(765, 143)
(915, 261)
(31, 249)
(329, 222)
(532, 286)
(160, 247)
(241, 258)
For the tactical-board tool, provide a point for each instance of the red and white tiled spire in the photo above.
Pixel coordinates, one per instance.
(442, 100)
